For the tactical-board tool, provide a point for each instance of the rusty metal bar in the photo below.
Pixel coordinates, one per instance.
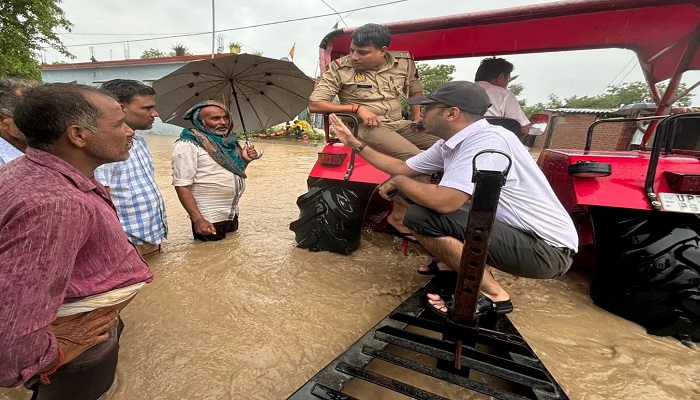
(482, 214)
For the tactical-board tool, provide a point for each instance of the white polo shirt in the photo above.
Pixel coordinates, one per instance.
(527, 200)
(503, 103)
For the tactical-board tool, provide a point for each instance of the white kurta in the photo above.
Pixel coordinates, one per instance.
(215, 189)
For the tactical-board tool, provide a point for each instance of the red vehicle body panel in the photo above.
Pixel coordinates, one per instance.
(624, 188)
(362, 172)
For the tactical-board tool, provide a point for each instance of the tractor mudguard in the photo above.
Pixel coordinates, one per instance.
(623, 187)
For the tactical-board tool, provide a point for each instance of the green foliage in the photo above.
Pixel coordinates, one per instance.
(257, 53)
(153, 53)
(613, 98)
(26, 26)
(516, 88)
(235, 47)
(553, 102)
(179, 49)
(430, 78)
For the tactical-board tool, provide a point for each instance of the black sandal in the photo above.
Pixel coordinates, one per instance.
(484, 305)
(403, 235)
(433, 268)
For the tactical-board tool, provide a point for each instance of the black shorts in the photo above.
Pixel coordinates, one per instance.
(222, 228)
(87, 377)
(510, 250)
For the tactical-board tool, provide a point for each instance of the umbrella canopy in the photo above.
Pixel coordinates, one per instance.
(260, 91)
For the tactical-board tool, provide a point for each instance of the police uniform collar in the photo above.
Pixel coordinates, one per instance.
(390, 62)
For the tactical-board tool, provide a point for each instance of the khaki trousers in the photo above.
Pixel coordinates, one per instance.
(147, 248)
(402, 143)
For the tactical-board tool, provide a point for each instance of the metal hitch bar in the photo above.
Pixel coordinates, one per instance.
(455, 348)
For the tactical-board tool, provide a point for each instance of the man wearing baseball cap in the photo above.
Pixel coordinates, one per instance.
(533, 235)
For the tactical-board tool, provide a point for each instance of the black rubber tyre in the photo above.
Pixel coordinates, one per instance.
(648, 269)
(331, 215)
(589, 169)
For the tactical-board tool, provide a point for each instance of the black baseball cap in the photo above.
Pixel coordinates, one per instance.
(467, 96)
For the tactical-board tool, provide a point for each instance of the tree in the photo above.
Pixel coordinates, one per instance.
(26, 26)
(179, 49)
(627, 93)
(235, 47)
(613, 98)
(553, 102)
(430, 78)
(153, 53)
(516, 88)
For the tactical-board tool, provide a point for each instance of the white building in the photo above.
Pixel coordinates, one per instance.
(145, 70)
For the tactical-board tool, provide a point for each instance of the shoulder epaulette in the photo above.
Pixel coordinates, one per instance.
(401, 54)
(341, 62)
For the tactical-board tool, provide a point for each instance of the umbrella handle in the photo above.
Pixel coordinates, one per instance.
(260, 153)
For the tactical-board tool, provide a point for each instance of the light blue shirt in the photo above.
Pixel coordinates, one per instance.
(8, 152)
(135, 195)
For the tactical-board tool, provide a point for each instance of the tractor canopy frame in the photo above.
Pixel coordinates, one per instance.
(664, 34)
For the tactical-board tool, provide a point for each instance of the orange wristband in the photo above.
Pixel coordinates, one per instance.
(355, 107)
(44, 377)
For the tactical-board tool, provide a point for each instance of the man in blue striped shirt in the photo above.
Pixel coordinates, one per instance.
(131, 183)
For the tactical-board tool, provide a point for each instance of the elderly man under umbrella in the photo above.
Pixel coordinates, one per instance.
(209, 170)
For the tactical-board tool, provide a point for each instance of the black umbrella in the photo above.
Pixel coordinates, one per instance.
(264, 91)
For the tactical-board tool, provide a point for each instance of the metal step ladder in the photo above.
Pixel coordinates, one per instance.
(464, 346)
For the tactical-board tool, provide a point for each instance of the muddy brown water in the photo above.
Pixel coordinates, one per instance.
(253, 317)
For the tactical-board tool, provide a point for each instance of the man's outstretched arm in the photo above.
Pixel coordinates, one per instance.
(381, 161)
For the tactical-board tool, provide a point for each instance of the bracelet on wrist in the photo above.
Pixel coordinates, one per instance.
(360, 147)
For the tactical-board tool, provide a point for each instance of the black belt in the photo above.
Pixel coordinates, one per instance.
(566, 251)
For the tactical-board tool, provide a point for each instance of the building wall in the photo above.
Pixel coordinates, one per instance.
(95, 76)
(568, 131)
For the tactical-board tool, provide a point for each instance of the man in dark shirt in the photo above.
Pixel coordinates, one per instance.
(66, 266)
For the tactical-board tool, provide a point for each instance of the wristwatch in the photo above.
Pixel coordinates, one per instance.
(360, 147)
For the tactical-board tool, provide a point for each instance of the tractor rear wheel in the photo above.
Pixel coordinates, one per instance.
(331, 215)
(648, 269)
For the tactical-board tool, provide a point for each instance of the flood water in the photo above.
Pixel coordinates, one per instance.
(253, 317)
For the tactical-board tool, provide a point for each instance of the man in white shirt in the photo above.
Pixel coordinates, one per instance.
(12, 141)
(493, 75)
(209, 170)
(533, 235)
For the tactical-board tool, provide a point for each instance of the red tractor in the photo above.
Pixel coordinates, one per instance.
(637, 211)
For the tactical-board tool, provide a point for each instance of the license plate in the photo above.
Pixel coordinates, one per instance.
(685, 203)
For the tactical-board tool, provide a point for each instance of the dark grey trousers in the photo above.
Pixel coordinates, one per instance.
(510, 250)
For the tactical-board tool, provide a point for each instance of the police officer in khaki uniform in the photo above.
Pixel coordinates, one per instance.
(370, 82)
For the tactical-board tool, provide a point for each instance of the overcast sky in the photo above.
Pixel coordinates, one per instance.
(565, 74)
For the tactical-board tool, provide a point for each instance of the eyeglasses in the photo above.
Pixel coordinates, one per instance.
(424, 109)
